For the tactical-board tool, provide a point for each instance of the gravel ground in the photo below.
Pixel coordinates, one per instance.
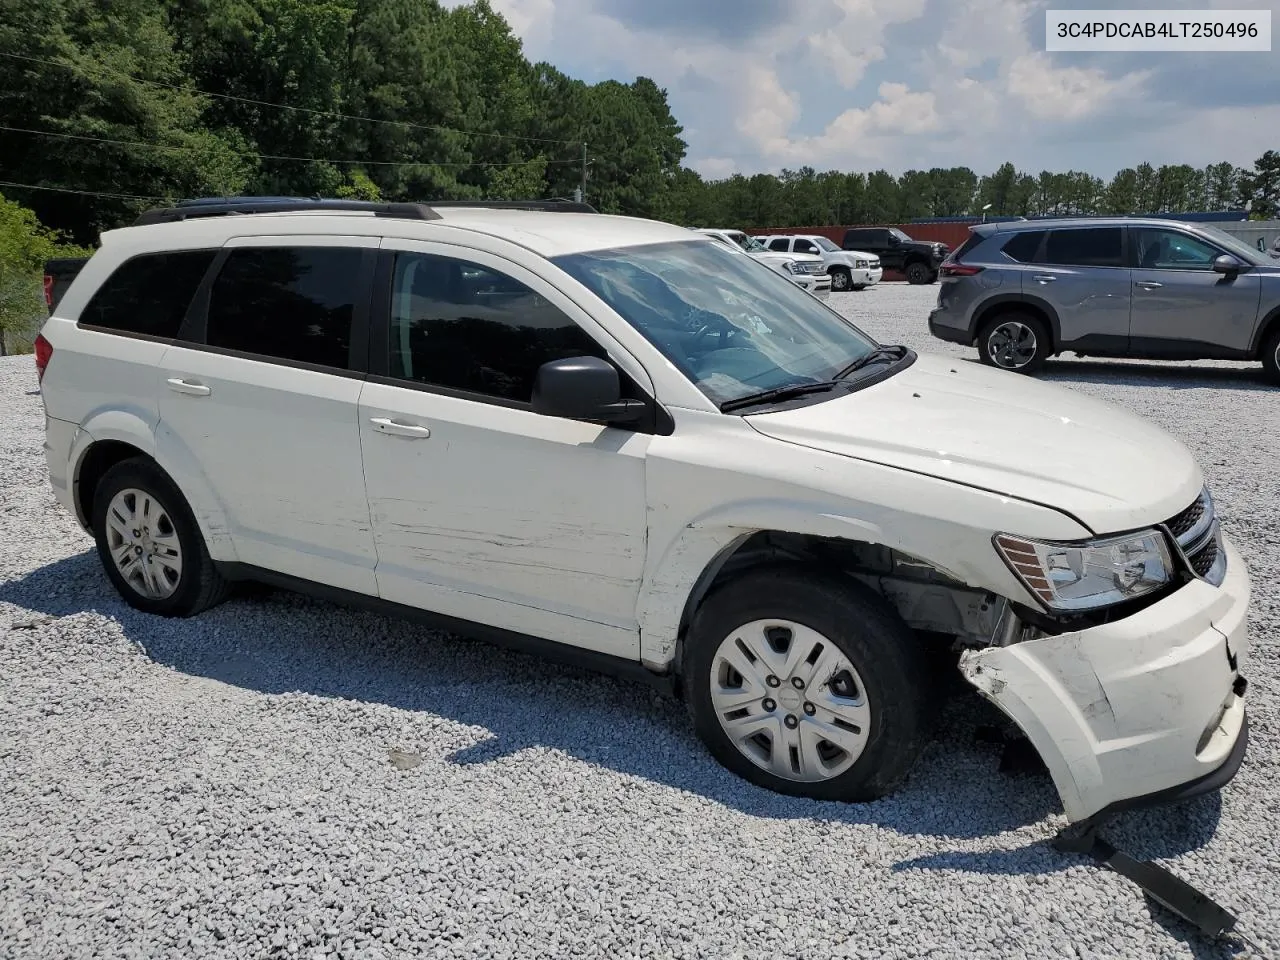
(282, 777)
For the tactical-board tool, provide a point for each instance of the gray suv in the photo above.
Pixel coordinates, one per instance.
(1121, 287)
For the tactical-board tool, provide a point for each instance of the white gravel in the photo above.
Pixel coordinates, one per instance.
(226, 786)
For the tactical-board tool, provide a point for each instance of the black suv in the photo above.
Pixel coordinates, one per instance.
(918, 259)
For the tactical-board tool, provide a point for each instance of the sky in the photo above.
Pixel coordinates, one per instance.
(762, 85)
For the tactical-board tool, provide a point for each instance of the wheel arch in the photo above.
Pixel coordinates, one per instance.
(713, 551)
(1269, 325)
(1013, 302)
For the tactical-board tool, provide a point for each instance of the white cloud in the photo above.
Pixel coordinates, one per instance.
(1065, 93)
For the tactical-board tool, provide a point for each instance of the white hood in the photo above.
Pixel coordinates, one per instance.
(1006, 433)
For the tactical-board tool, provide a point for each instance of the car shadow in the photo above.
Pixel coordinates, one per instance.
(277, 642)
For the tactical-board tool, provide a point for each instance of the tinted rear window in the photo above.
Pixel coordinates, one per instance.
(1089, 247)
(1023, 247)
(972, 241)
(148, 294)
(293, 303)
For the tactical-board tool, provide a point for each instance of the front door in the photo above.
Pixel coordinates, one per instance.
(1181, 306)
(481, 508)
(258, 408)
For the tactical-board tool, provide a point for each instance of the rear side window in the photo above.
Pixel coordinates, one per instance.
(970, 242)
(779, 244)
(149, 294)
(1089, 247)
(292, 303)
(1023, 247)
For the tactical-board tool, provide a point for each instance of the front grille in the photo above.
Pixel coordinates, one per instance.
(1199, 540)
(1184, 522)
(1203, 561)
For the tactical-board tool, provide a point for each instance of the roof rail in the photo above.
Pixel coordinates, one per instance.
(224, 206)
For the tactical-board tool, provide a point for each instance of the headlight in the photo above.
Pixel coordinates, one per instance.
(792, 267)
(1089, 574)
(860, 264)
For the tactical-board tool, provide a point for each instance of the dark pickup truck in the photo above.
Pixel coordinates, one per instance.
(58, 275)
(918, 259)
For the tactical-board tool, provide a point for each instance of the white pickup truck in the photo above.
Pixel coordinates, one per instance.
(805, 270)
(848, 269)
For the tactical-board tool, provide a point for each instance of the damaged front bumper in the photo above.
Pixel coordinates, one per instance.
(1148, 709)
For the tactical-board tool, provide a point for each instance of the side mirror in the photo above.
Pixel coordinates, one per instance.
(1227, 264)
(583, 388)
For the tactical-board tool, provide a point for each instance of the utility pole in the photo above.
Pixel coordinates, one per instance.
(584, 171)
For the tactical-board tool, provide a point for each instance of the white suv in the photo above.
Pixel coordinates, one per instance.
(849, 269)
(615, 441)
(805, 271)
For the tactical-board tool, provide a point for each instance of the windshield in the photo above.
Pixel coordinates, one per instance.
(749, 244)
(731, 325)
(899, 234)
(825, 244)
(1234, 244)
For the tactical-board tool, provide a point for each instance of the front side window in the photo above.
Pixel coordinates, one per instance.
(731, 325)
(1086, 247)
(804, 246)
(291, 303)
(149, 294)
(462, 326)
(1172, 250)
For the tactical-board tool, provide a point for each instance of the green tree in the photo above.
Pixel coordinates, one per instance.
(25, 244)
(1262, 186)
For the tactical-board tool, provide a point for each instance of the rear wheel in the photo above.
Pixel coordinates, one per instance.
(918, 272)
(1014, 341)
(149, 542)
(1271, 355)
(808, 685)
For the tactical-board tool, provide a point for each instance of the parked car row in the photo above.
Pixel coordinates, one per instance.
(1150, 289)
(625, 445)
(804, 270)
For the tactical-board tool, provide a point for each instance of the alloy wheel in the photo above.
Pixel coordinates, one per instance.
(1012, 345)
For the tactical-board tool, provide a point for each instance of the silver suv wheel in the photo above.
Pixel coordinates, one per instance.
(789, 700)
(1011, 345)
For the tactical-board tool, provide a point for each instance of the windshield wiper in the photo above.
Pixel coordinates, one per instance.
(882, 352)
(779, 394)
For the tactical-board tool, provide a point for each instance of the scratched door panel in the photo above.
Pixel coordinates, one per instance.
(506, 517)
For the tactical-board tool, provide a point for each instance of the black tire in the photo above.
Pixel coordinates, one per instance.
(840, 280)
(918, 273)
(199, 585)
(988, 352)
(898, 677)
(1271, 355)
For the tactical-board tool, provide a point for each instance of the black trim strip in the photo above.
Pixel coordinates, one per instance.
(552, 650)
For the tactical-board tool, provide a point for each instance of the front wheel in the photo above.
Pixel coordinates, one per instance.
(1014, 341)
(1271, 356)
(808, 685)
(840, 281)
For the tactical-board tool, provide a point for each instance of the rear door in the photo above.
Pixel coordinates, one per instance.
(1081, 272)
(259, 401)
(1181, 307)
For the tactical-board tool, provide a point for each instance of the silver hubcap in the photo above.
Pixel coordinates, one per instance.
(1012, 345)
(143, 544)
(839, 280)
(789, 700)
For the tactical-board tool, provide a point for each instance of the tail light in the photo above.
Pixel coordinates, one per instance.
(953, 269)
(48, 291)
(44, 351)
